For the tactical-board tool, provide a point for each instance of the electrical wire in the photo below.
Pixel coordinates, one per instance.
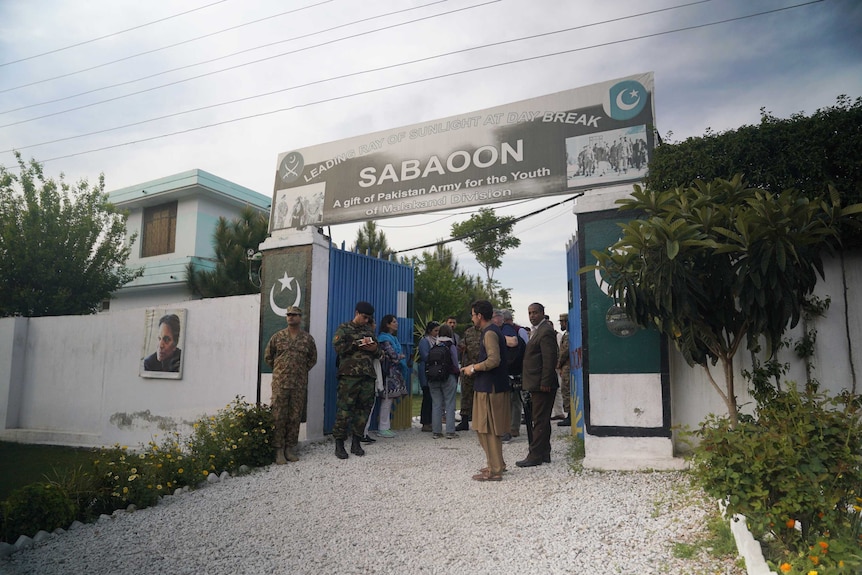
(237, 66)
(108, 35)
(340, 77)
(489, 228)
(422, 80)
(201, 63)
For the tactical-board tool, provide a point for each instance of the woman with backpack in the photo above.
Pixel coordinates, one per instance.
(442, 370)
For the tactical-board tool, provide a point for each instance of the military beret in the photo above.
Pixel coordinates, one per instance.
(365, 307)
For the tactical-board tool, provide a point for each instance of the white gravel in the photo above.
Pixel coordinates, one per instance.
(409, 506)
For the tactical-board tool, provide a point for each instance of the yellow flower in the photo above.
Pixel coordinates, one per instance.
(159, 486)
(125, 490)
(134, 470)
(180, 470)
(812, 572)
(205, 472)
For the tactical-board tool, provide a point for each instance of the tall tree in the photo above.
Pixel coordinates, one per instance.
(487, 236)
(371, 240)
(715, 265)
(62, 249)
(232, 240)
(440, 288)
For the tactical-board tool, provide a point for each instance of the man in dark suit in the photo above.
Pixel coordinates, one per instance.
(539, 377)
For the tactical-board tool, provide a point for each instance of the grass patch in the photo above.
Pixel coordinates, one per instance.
(24, 464)
(575, 453)
(417, 403)
(718, 540)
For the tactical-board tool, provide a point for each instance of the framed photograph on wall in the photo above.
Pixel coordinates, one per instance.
(164, 340)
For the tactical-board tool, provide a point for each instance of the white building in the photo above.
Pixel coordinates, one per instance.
(173, 219)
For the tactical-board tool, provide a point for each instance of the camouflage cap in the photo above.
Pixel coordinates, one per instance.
(294, 309)
(564, 316)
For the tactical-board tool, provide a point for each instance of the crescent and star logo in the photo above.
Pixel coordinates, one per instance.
(626, 99)
(285, 282)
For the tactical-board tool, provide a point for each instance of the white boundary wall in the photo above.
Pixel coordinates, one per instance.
(74, 380)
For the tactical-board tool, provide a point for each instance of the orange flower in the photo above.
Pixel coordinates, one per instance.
(785, 567)
(824, 545)
(791, 523)
(814, 559)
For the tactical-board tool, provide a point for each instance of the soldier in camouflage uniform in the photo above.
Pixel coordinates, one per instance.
(563, 370)
(291, 353)
(471, 342)
(356, 347)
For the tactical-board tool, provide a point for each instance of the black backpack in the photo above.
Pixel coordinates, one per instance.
(438, 367)
(515, 356)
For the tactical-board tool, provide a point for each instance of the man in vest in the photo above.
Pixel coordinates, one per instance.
(491, 403)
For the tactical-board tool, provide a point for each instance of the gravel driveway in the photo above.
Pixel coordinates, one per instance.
(409, 506)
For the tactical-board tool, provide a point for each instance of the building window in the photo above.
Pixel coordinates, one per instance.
(160, 230)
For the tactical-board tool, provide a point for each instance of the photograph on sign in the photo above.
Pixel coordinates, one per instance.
(299, 207)
(589, 137)
(606, 157)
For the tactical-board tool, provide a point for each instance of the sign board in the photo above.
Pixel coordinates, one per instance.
(590, 137)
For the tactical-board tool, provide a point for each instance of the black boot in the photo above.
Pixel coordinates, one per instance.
(567, 422)
(340, 453)
(464, 425)
(356, 446)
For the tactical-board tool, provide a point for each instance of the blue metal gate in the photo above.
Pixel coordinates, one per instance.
(354, 277)
(576, 371)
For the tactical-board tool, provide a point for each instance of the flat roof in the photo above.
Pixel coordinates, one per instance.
(186, 183)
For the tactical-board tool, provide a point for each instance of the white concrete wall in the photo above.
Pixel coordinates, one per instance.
(81, 386)
(693, 397)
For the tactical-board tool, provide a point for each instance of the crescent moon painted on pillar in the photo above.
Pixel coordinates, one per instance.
(622, 105)
(282, 311)
(603, 285)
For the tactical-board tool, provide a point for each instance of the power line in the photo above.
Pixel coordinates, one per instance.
(421, 80)
(174, 45)
(214, 72)
(109, 35)
(340, 77)
(267, 46)
(489, 228)
(521, 232)
(210, 61)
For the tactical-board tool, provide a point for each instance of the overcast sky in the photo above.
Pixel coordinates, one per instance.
(706, 76)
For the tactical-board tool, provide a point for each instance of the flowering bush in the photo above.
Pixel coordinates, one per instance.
(239, 434)
(794, 471)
